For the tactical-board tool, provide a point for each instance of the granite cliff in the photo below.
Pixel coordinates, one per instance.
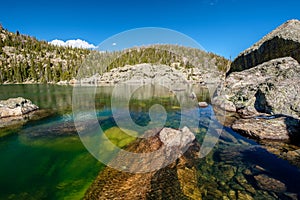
(282, 42)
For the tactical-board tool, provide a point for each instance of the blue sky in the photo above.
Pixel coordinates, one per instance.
(225, 27)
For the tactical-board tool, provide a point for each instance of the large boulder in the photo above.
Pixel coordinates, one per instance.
(14, 107)
(180, 138)
(282, 42)
(272, 87)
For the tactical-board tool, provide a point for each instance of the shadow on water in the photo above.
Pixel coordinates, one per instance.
(274, 166)
(260, 161)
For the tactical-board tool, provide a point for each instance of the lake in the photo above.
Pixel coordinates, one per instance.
(45, 158)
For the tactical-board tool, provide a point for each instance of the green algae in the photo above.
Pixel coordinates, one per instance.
(119, 137)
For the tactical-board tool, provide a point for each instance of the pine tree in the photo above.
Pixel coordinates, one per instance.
(48, 72)
(33, 74)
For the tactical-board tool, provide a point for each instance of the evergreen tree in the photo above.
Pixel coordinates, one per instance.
(33, 74)
(48, 72)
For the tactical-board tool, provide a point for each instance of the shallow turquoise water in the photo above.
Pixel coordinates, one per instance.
(45, 159)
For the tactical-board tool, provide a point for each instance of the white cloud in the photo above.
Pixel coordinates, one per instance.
(73, 43)
(114, 44)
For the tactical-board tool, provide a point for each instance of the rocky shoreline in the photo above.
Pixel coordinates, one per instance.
(265, 96)
(261, 92)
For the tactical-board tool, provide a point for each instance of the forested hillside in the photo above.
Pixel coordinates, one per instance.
(26, 59)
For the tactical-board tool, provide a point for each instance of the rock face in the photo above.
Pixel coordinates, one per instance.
(267, 97)
(147, 73)
(16, 107)
(272, 87)
(281, 42)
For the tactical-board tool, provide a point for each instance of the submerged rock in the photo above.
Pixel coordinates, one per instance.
(285, 151)
(244, 196)
(16, 107)
(292, 156)
(188, 182)
(267, 183)
(281, 128)
(177, 180)
(120, 138)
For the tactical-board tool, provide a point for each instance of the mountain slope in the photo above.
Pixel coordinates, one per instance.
(25, 59)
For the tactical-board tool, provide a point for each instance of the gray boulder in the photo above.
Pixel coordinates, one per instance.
(178, 138)
(14, 107)
(272, 87)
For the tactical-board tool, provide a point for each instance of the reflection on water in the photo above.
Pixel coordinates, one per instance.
(45, 96)
(45, 159)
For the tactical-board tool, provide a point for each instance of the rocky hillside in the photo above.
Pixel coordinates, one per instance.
(113, 67)
(282, 42)
(144, 73)
(25, 59)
